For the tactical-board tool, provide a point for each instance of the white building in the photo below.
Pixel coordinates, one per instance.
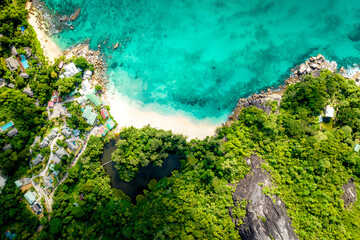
(329, 112)
(87, 74)
(86, 87)
(70, 70)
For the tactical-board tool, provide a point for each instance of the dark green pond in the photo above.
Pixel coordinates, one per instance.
(141, 180)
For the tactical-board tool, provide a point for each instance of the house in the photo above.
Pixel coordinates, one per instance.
(28, 52)
(91, 119)
(10, 85)
(45, 142)
(29, 196)
(36, 208)
(76, 132)
(86, 87)
(87, 111)
(53, 133)
(87, 74)
(61, 153)
(7, 147)
(110, 124)
(12, 132)
(50, 104)
(89, 115)
(24, 75)
(94, 99)
(103, 131)
(48, 182)
(28, 92)
(329, 112)
(70, 70)
(13, 50)
(71, 142)
(55, 97)
(38, 159)
(55, 159)
(18, 183)
(357, 148)
(12, 63)
(66, 131)
(61, 64)
(104, 113)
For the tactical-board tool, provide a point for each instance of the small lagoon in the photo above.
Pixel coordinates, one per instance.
(142, 178)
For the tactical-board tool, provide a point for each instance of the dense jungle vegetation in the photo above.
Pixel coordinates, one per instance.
(309, 162)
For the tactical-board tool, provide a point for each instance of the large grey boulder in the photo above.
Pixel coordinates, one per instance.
(266, 216)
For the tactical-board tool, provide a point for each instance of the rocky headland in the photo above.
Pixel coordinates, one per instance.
(314, 65)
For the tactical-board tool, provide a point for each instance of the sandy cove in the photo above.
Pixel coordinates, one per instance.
(128, 112)
(51, 50)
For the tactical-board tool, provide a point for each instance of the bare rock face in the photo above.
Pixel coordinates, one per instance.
(259, 101)
(266, 217)
(349, 196)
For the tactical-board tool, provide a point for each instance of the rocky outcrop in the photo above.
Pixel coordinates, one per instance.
(314, 65)
(260, 101)
(266, 216)
(349, 195)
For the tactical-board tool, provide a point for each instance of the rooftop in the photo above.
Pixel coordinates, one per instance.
(94, 99)
(104, 113)
(12, 132)
(87, 111)
(329, 111)
(7, 147)
(29, 196)
(28, 92)
(92, 118)
(110, 124)
(12, 63)
(61, 152)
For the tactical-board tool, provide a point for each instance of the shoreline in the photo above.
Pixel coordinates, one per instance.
(129, 112)
(313, 66)
(50, 49)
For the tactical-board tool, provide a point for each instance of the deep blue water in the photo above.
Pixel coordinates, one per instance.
(201, 56)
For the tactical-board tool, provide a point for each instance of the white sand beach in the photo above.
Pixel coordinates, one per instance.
(51, 50)
(130, 113)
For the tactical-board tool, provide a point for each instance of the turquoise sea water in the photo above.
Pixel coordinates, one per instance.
(201, 56)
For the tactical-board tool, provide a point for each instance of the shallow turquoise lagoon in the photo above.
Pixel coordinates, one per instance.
(201, 56)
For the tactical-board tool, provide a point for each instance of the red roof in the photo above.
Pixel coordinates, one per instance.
(104, 113)
(51, 104)
(101, 130)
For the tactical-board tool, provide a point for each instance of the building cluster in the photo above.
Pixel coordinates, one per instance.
(11, 131)
(30, 197)
(109, 125)
(16, 61)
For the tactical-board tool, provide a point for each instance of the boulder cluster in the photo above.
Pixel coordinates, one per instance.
(314, 65)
